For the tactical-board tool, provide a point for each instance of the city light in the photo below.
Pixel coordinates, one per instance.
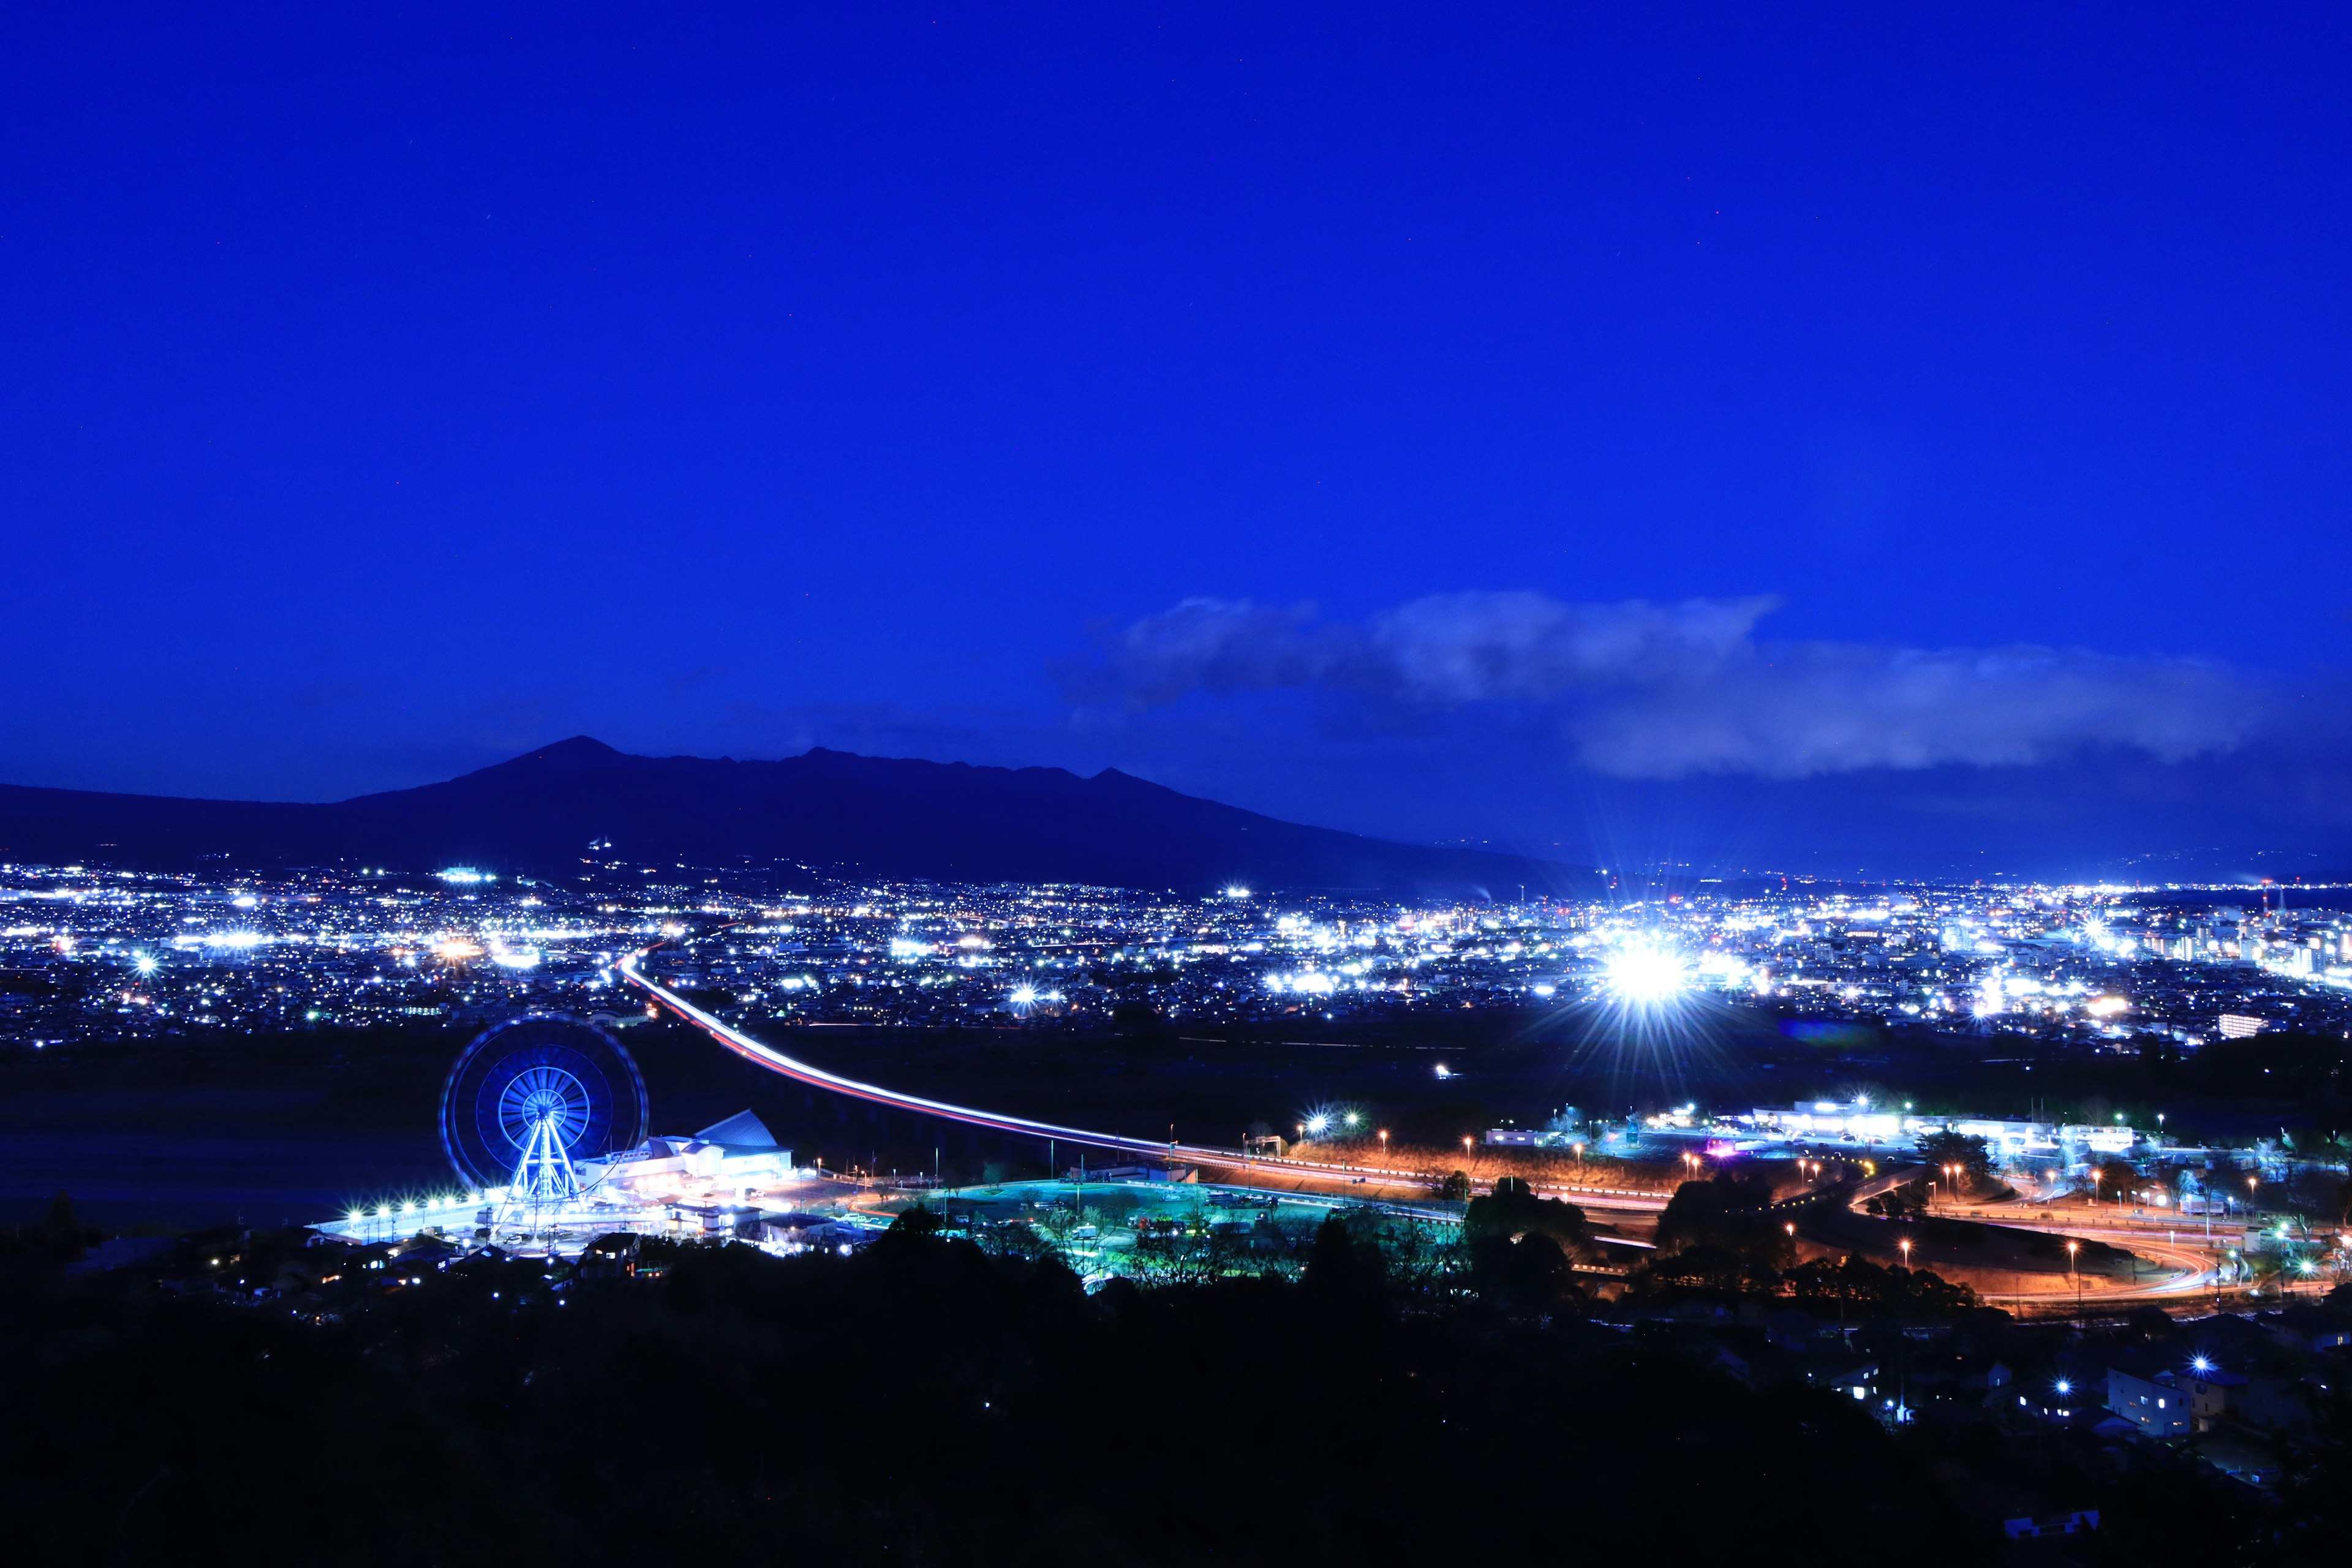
(1645, 976)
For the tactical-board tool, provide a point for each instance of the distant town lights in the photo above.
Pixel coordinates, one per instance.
(1645, 976)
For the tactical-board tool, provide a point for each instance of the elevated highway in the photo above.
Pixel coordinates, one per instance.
(1324, 1177)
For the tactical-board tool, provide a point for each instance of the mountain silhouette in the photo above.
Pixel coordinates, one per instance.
(831, 811)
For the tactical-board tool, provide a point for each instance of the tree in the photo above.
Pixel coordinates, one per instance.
(1709, 1270)
(918, 1222)
(1858, 1279)
(1455, 1187)
(1733, 1213)
(1950, 1148)
(1531, 1273)
(67, 1236)
(2117, 1178)
(1513, 1210)
(1339, 1267)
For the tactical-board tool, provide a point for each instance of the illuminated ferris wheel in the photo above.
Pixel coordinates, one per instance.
(532, 1098)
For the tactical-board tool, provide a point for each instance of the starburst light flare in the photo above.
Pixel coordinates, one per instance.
(1645, 976)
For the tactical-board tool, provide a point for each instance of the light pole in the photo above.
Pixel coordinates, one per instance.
(1906, 1245)
(2074, 1248)
(1384, 1149)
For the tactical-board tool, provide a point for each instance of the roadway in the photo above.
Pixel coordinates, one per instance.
(1327, 1178)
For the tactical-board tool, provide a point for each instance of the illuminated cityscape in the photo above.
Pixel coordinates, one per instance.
(91, 953)
(1311, 786)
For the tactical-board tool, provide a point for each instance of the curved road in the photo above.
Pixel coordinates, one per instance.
(1365, 1181)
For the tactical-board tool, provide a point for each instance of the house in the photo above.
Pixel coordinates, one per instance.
(2154, 1405)
(2209, 1393)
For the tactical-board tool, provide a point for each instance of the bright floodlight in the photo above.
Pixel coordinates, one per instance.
(1646, 977)
(1022, 996)
(1318, 1123)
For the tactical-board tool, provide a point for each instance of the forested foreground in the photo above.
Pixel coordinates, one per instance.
(926, 1402)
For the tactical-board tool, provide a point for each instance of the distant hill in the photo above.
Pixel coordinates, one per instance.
(829, 810)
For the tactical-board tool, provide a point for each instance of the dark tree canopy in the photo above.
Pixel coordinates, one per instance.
(1730, 1212)
(1513, 1210)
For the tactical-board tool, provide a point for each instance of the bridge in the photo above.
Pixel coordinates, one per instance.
(1257, 1166)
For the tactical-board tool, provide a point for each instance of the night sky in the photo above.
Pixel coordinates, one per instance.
(1877, 439)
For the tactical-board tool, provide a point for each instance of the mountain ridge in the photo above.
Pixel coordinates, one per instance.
(829, 810)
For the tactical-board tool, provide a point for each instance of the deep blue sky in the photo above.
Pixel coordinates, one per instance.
(383, 391)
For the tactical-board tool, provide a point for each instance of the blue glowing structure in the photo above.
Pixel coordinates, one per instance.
(530, 1098)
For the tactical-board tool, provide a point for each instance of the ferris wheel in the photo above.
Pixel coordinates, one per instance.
(532, 1096)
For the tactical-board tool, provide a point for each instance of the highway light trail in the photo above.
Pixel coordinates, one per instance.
(776, 1061)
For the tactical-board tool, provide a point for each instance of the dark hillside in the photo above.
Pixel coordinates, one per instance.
(868, 815)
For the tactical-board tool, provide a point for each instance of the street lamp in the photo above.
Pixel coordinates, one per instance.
(1384, 1148)
(1906, 1245)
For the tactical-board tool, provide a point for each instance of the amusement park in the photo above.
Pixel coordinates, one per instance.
(544, 1120)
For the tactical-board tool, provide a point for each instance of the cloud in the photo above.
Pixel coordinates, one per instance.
(1666, 691)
